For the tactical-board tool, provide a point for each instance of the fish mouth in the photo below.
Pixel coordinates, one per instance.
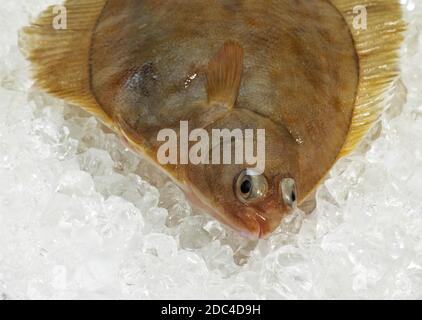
(255, 235)
(253, 227)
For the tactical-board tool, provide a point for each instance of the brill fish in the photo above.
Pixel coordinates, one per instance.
(314, 74)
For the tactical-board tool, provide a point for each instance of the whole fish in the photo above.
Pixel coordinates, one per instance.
(313, 73)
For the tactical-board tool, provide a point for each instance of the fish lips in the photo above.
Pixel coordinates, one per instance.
(260, 225)
(249, 222)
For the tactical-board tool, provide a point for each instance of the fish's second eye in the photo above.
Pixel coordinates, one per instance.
(250, 186)
(289, 192)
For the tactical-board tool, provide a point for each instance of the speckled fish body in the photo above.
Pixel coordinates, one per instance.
(295, 68)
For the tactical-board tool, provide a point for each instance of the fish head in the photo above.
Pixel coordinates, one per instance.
(250, 199)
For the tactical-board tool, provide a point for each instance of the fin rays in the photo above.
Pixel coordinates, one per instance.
(224, 75)
(378, 52)
(60, 58)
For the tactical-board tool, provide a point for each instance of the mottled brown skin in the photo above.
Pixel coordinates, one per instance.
(299, 82)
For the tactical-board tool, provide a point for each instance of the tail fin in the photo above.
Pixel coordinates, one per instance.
(378, 51)
(61, 57)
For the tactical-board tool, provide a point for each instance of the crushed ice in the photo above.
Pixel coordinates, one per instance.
(83, 217)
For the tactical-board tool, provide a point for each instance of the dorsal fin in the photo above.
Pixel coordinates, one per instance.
(60, 57)
(377, 48)
(224, 75)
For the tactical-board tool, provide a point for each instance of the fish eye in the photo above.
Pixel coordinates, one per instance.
(289, 192)
(250, 186)
(246, 187)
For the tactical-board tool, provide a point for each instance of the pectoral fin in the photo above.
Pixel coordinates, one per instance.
(224, 75)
